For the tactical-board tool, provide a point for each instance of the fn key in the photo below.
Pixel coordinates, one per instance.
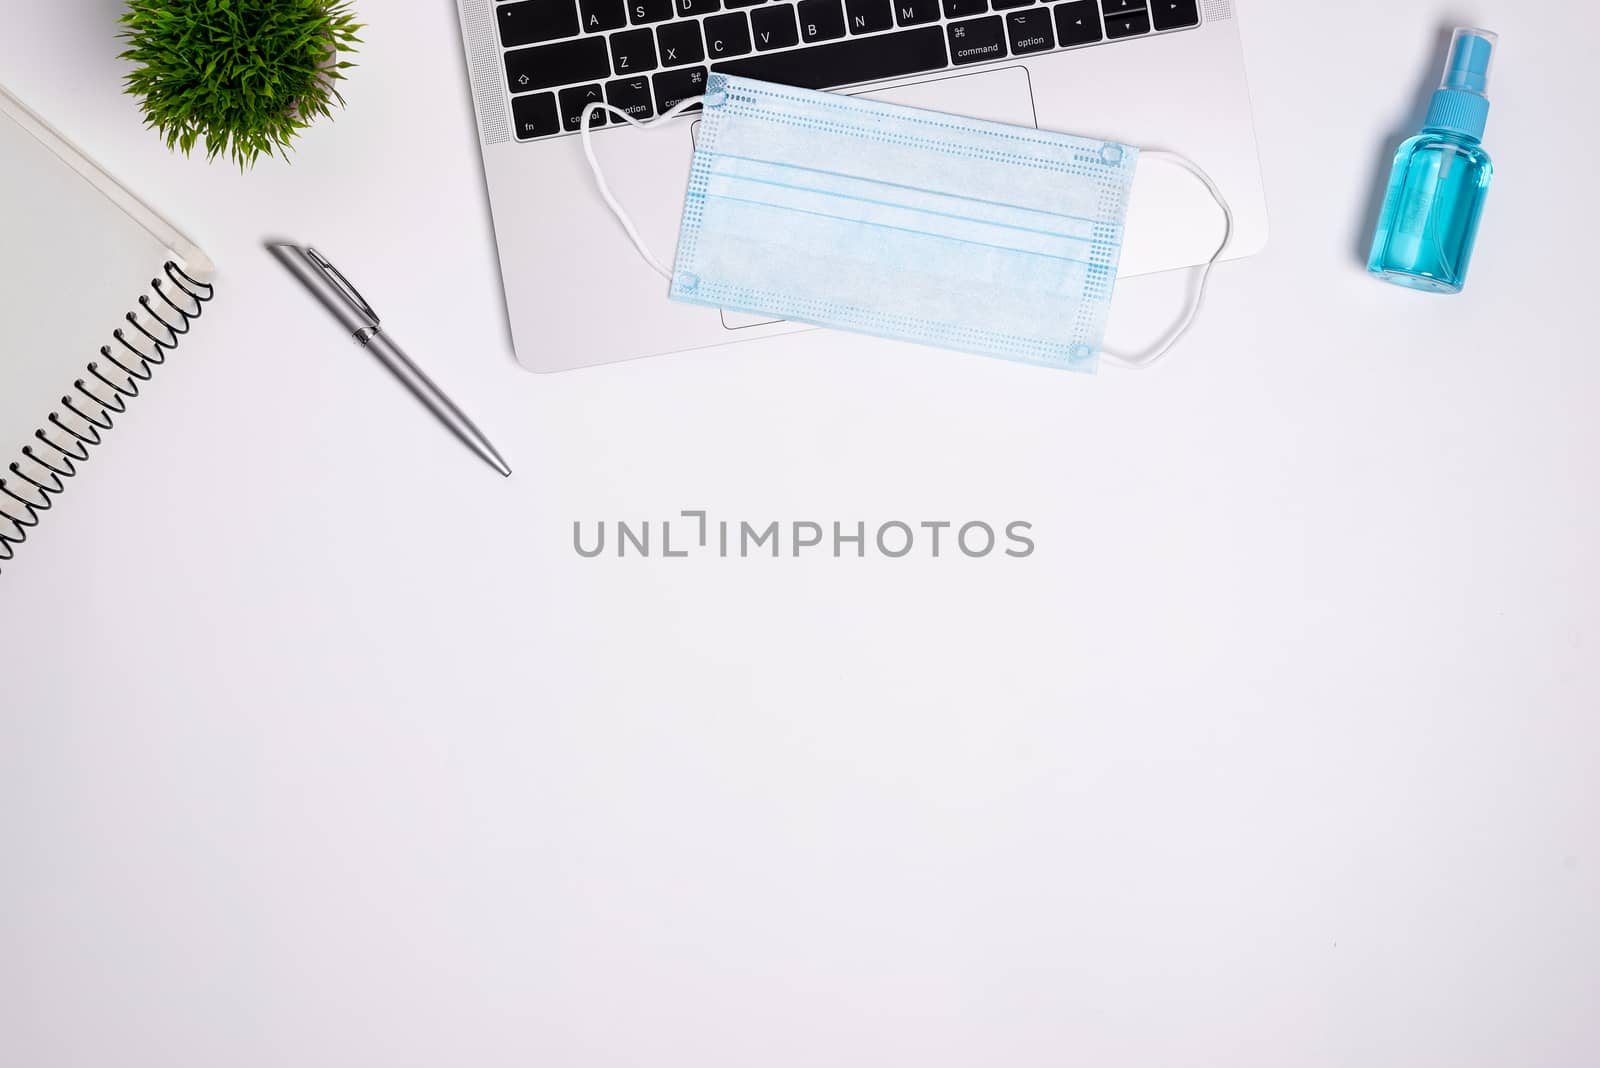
(535, 115)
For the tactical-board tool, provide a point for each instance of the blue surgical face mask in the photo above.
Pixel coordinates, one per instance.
(909, 224)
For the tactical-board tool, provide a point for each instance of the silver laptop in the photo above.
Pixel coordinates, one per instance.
(1155, 73)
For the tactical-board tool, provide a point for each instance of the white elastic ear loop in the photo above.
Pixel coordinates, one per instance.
(605, 190)
(1164, 346)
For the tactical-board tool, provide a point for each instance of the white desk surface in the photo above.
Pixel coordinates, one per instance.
(321, 746)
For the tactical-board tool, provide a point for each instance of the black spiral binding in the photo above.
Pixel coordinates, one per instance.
(20, 511)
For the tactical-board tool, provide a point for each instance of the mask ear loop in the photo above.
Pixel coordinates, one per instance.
(599, 180)
(1150, 357)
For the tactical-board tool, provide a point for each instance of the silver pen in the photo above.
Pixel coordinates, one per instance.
(357, 316)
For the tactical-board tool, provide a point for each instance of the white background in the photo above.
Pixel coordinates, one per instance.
(321, 746)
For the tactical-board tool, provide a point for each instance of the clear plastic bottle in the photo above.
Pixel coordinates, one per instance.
(1441, 177)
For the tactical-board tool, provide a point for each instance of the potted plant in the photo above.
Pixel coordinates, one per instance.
(244, 76)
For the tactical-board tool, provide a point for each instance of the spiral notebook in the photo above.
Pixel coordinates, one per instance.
(96, 290)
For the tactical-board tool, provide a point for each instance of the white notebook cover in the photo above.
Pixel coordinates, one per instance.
(77, 251)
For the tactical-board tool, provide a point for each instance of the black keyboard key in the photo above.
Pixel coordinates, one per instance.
(631, 95)
(1175, 14)
(673, 87)
(960, 9)
(774, 27)
(597, 15)
(679, 43)
(727, 35)
(1029, 31)
(820, 20)
(1121, 7)
(977, 40)
(744, 3)
(574, 100)
(1006, 5)
(697, 7)
(542, 66)
(633, 51)
(533, 21)
(1127, 25)
(643, 11)
(1077, 23)
(534, 115)
(868, 16)
(916, 12)
(860, 59)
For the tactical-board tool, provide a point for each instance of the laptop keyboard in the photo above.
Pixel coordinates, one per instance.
(645, 56)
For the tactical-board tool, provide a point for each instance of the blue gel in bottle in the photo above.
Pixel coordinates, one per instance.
(1441, 178)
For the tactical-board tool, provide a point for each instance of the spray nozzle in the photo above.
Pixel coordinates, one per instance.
(1471, 57)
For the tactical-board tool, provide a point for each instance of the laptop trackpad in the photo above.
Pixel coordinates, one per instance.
(1002, 95)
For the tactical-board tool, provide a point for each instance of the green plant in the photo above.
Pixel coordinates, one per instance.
(245, 75)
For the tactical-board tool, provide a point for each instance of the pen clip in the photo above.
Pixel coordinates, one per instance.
(351, 293)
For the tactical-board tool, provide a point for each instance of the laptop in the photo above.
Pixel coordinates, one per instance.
(1155, 73)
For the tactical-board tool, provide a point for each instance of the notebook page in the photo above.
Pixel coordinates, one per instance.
(73, 263)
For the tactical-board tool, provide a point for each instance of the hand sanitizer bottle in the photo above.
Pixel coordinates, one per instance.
(1441, 177)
